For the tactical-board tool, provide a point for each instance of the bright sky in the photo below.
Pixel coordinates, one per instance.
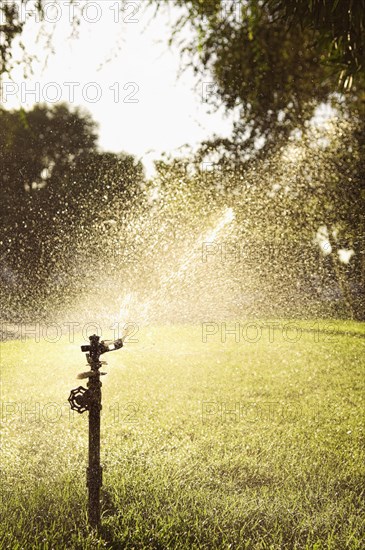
(143, 107)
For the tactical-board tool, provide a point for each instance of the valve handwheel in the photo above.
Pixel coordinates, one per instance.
(79, 399)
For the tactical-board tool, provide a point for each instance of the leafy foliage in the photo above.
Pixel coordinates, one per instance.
(274, 62)
(55, 183)
(341, 27)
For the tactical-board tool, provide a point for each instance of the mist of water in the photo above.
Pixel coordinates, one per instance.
(181, 252)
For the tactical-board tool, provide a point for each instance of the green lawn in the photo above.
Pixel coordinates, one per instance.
(284, 470)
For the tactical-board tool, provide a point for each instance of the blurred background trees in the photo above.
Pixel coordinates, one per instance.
(55, 187)
(275, 64)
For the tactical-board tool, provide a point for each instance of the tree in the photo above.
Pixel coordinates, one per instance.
(274, 61)
(56, 188)
(340, 26)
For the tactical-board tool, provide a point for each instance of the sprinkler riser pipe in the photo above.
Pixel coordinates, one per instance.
(94, 471)
(81, 400)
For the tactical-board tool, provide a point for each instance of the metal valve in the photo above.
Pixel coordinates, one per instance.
(79, 399)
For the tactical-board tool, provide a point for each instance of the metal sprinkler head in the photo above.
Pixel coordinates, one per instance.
(97, 348)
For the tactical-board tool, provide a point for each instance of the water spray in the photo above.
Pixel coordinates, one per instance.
(81, 400)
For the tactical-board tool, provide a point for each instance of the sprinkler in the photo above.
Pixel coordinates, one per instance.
(81, 400)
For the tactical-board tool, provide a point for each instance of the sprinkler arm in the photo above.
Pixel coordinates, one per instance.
(93, 352)
(97, 348)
